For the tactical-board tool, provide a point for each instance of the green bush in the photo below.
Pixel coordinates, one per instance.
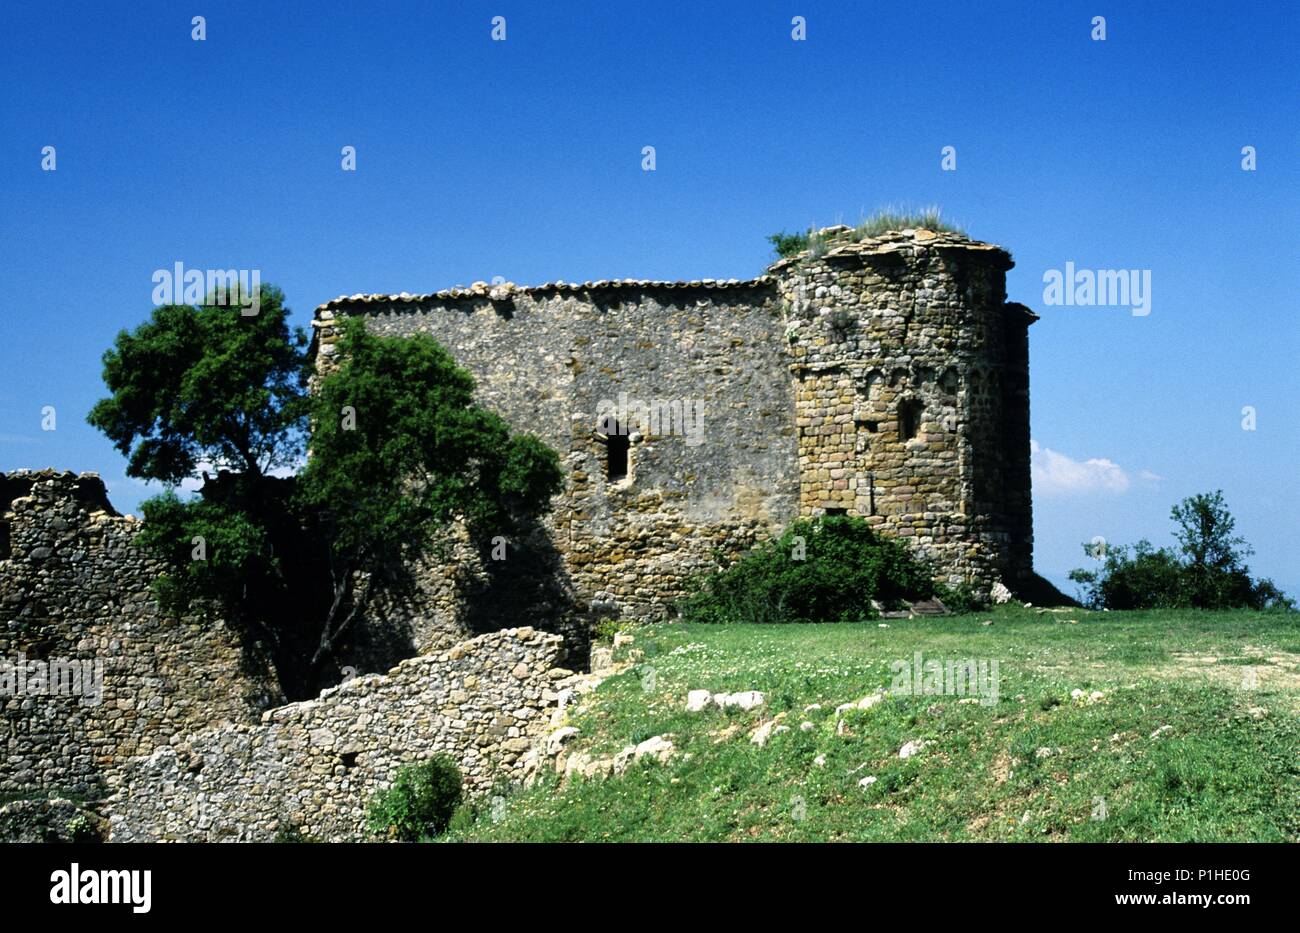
(420, 803)
(1208, 571)
(1145, 577)
(788, 244)
(963, 599)
(605, 628)
(826, 570)
(1149, 579)
(462, 821)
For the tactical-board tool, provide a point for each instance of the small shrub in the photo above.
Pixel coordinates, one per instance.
(288, 833)
(964, 598)
(788, 244)
(826, 570)
(463, 820)
(420, 803)
(605, 628)
(81, 829)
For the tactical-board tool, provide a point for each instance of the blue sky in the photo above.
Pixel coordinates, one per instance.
(522, 159)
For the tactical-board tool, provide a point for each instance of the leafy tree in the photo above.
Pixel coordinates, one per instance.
(1207, 572)
(213, 550)
(399, 450)
(206, 385)
(1215, 558)
(240, 549)
(788, 244)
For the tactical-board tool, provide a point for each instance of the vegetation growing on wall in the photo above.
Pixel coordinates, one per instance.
(889, 218)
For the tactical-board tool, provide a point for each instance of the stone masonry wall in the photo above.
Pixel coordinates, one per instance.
(912, 402)
(313, 766)
(546, 358)
(73, 588)
(886, 378)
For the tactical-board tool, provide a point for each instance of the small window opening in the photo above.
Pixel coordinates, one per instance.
(831, 512)
(909, 419)
(616, 455)
(950, 382)
(349, 759)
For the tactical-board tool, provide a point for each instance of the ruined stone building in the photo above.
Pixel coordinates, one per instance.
(886, 377)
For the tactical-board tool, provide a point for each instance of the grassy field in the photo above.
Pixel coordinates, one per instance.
(1195, 736)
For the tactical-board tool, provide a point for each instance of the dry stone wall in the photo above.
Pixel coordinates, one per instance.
(313, 766)
(91, 673)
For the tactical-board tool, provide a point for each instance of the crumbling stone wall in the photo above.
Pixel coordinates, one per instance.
(74, 588)
(313, 766)
(51, 819)
(887, 378)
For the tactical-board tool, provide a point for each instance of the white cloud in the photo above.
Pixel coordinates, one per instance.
(1056, 474)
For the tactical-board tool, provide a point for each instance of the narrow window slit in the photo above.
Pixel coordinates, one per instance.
(909, 419)
(616, 455)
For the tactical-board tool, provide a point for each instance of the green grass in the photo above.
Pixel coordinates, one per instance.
(882, 221)
(1217, 773)
(892, 218)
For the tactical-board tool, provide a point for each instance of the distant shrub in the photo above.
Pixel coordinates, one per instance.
(1146, 579)
(826, 570)
(420, 803)
(1208, 570)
